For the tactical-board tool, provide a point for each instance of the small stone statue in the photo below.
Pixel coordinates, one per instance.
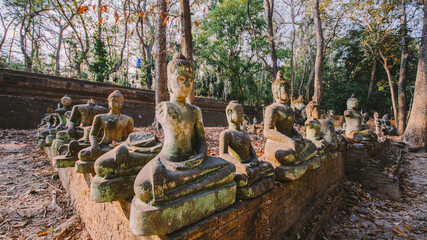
(354, 129)
(253, 177)
(79, 126)
(116, 127)
(58, 122)
(285, 149)
(182, 184)
(387, 128)
(378, 124)
(298, 107)
(320, 131)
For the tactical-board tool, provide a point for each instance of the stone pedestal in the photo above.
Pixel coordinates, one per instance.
(293, 210)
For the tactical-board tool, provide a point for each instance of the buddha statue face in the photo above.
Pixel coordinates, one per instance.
(180, 77)
(280, 89)
(234, 113)
(66, 101)
(353, 103)
(115, 101)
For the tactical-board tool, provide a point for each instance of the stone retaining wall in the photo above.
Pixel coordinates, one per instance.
(292, 210)
(24, 98)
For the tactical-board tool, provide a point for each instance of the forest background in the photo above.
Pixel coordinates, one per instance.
(237, 46)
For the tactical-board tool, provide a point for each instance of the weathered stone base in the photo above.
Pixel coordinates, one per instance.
(290, 173)
(256, 189)
(293, 210)
(108, 190)
(148, 220)
(64, 161)
(85, 166)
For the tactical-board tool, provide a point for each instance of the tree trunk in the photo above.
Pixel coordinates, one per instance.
(390, 83)
(319, 54)
(270, 10)
(187, 37)
(403, 69)
(416, 131)
(161, 60)
(371, 84)
(292, 50)
(303, 75)
(99, 36)
(58, 49)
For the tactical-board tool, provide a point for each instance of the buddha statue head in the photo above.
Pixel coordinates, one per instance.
(115, 101)
(66, 101)
(180, 78)
(280, 88)
(234, 111)
(353, 103)
(313, 110)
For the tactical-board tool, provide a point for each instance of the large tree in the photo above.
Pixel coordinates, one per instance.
(319, 53)
(161, 56)
(416, 131)
(403, 71)
(186, 37)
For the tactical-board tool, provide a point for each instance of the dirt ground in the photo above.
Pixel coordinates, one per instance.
(33, 204)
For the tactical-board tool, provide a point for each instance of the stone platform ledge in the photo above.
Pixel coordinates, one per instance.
(291, 210)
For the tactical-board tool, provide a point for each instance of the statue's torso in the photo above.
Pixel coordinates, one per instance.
(178, 123)
(115, 127)
(88, 113)
(353, 120)
(239, 145)
(284, 118)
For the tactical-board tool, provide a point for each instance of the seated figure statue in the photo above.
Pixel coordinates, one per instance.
(182, 184)
(79, 126)
(378, 124)
(298, 107)
(47, 122)
(354, 129)
(285, 149)
(116, 127)
(116, 170)
(62, 113)
(253, 177)
(321, 132)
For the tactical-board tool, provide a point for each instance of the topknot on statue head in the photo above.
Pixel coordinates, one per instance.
(178, 61)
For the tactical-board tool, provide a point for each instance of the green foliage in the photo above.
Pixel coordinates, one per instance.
(101, 64)
(220, 52)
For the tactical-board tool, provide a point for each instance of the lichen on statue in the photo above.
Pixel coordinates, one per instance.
(355, 130)
(181, 185)
(116, 128)
(285, 149)
(253, 177)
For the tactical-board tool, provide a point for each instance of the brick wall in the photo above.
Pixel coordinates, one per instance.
(24, 98)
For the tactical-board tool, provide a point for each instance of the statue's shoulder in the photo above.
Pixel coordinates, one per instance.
(194, 108)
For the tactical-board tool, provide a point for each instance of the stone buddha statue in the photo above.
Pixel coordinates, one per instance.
(354, 129)
(59, 120)
(320, 131)
(116, 128)
(253, 177)
(181, 185)
(285, 149)
(298, 107)
(79, 126)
